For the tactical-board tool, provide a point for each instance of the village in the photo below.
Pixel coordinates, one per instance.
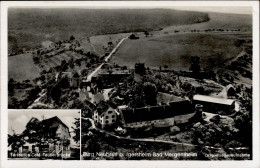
(144, 104)
(140, 104)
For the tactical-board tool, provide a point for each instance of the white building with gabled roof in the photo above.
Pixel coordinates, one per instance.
(105, 115)
(216, 105)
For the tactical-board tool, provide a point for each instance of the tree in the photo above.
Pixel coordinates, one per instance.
(146, 33)
(76, 130)
(42, 78)
(11, 88)
(13, 103)
(15, 141)
(71, 63)
(38, 52)
(195, 65)
(36, 60)
(32, 129)
(84, 72)
(72, 38)
(92, 143)
(55, 93)
(64, 82)
(124, 68)
(78, 62)
(165, 67)
(150, 93)
(64, 65)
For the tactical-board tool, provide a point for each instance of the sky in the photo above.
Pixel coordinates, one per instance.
(17, 119)
(220, 9)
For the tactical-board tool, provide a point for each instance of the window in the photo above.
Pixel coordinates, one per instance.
(106, 121)
(25, 147)
(106, 117)
(95, 116)
(113, 121)
(113, 116)
(109, 112)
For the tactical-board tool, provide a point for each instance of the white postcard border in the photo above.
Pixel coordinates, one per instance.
(106, 164)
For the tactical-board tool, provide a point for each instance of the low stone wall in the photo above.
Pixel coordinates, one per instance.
(156, 123)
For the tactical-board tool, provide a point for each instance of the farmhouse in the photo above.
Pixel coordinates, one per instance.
(133, 37)
(105, 116)
(54, 137)
(74, 79)
(111, 77)
(216, 105)
(110, 44)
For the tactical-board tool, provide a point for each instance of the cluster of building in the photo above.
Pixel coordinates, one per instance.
(109, 76)
(163, 114)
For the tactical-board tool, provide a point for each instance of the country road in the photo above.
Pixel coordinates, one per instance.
(114, 50)
(106, 59)
(37, 101)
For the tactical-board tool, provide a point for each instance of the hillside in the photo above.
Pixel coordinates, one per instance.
(29, 27)
(21, 67)
(224, 21)
(175, 50)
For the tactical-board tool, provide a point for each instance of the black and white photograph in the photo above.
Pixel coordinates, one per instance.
(152, 83)
(43, 134)
(131, 81)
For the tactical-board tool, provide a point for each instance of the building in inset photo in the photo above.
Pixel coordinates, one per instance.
(43, 134)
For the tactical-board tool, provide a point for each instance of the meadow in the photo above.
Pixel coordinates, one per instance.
(101, 41)
(175, 50)
(218, 21)
(21, 67)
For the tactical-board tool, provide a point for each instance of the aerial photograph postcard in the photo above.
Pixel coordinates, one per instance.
(152, 83)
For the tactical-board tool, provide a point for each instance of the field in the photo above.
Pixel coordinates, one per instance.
(218, 21)
(175, 50)
(48, 63)
(21, 67)
(101, 41)
(27, 28)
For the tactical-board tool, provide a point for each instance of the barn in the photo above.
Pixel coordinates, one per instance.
(216, 105)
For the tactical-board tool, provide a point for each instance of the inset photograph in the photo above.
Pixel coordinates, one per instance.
(44, 134)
